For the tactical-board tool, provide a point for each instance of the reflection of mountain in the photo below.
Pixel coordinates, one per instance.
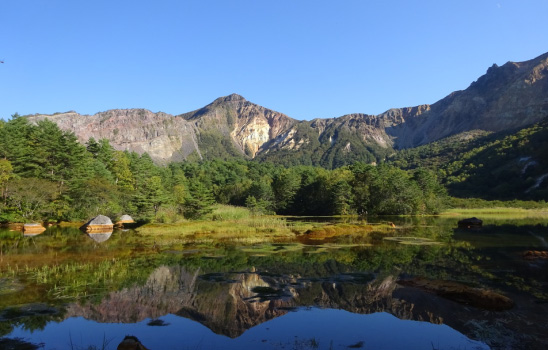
(226, 308)
(230, 304)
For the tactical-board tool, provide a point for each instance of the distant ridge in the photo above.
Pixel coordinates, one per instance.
(508, 97)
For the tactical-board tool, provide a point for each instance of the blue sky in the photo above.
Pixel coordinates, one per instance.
(307, 59)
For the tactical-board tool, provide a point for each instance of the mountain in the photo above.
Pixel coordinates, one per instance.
(508, 97)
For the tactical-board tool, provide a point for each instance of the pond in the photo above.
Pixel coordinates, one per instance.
(424, 284)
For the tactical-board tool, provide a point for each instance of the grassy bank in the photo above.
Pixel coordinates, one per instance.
(225, 224)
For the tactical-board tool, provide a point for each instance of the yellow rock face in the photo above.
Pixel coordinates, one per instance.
(252, 135)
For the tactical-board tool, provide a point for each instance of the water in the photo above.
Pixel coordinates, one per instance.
(424, 285)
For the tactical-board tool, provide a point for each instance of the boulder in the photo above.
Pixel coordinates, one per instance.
(126, 219)
(99, 224)
(470, 223)
(32, 229)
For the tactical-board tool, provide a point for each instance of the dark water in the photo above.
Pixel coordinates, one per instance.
(424, 285)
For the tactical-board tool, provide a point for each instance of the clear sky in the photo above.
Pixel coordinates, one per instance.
(305, 58)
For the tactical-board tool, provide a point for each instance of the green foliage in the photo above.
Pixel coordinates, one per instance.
(6, 174)
(337, 146)
(199, 201)
(47, 174)
(504, 166)
(214, 145)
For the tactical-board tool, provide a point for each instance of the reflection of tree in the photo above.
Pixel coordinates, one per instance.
(29, 317)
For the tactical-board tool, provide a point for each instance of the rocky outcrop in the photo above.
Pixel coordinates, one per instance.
(508, 97)
(163, 136)
(247, 125)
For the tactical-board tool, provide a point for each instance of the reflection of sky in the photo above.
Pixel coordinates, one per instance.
(329, 328)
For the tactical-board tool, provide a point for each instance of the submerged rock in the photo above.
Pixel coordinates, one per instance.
(470, 223)
(99, 224)
(462, 294)
(535, 254)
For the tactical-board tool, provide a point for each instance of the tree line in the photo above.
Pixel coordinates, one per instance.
(46, 174)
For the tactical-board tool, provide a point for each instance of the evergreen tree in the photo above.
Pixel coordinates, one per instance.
(199, 201)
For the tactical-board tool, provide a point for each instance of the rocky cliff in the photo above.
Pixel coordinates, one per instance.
(508, 97)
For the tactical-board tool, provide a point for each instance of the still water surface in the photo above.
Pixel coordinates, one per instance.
(424, 285)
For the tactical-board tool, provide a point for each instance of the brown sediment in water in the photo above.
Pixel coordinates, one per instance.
(328, 231)
(462, 294)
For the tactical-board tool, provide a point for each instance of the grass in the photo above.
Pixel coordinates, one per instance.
(498, 212)
(229, 212)
(226, 224)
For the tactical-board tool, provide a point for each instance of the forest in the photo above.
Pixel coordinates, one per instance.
(46, 174)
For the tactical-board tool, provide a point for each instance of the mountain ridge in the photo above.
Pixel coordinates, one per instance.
(506, 97)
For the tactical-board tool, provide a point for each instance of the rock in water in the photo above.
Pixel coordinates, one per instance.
(131, 343)
(100, 223)
(126, 219)
(470, 223)
(33, 229)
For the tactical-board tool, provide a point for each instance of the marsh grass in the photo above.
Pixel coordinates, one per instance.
(229, 225)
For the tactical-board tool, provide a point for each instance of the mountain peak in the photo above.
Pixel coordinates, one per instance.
(231, 98)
